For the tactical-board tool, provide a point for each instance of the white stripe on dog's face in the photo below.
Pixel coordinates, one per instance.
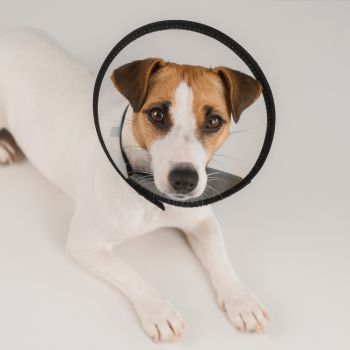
(180, 146)
(182, 110)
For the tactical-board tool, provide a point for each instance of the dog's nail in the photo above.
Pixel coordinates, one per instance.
(266, 315)
(155, 340)
(259, 330)
(176, 333)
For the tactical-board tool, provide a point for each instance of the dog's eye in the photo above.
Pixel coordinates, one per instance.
(213, 122)
(157, 115)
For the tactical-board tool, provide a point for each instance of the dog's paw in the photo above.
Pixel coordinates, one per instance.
(160, 321)
(243, 310)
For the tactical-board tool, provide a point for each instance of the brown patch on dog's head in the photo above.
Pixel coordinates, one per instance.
(182, 115)
(242, 90)
(151, 83)
(132, 79)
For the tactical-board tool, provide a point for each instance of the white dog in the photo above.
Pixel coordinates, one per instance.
(180, 117)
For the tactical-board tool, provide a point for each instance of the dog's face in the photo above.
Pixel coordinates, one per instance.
(182, 116)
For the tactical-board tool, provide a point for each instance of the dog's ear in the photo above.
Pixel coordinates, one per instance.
(131, 79)
(242, 90)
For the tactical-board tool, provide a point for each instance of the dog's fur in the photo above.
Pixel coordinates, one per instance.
(45, 103)
(187, 97)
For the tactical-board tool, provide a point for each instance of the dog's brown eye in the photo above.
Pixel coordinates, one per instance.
(213, 123)
(157, 115)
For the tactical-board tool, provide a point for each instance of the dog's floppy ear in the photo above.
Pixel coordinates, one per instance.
(242, 90)
(132, 79)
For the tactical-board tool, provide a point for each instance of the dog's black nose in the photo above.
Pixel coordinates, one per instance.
(183, 178)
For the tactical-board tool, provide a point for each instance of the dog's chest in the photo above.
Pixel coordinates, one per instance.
(146, 218)
(183, 218)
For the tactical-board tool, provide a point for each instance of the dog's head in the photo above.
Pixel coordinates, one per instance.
(181, 116)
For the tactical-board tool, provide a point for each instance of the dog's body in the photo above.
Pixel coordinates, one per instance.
(45, 102)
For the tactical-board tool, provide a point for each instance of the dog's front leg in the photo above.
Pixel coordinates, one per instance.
(242, 309)
(91, 245)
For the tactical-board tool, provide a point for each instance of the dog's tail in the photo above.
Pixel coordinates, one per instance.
(9, 150)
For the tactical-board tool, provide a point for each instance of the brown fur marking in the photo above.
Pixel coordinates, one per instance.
(10, 145)
(221, 89)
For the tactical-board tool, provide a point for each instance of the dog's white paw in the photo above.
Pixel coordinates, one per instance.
(243, 310)
(159, 319)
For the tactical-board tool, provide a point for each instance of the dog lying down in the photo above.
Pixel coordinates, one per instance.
(180, 116)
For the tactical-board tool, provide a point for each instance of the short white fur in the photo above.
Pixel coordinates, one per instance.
(46, 96)
(180, 145)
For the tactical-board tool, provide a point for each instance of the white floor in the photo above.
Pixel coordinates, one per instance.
(300, 273)
(288, 233)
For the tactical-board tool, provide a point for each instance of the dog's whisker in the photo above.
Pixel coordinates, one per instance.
(218, 180)
(147, 177)
(139, 150)
(208, 189)
(226, 175)
(214, 190)
(227, 156)
(150, 172)
(214, 173)
(219, 164)
(143, 182)
(221, 169)
(222, 176)
(245, 130)
(146, 180)
(134, 146)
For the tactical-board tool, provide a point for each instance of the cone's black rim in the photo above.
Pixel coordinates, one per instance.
(234, 47)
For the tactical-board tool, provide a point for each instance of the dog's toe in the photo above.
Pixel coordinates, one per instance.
(244, 311)
(160, 320)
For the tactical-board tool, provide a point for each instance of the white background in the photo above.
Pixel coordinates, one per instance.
(287, 233)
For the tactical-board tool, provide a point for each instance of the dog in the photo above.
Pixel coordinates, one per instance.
(180, 115)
